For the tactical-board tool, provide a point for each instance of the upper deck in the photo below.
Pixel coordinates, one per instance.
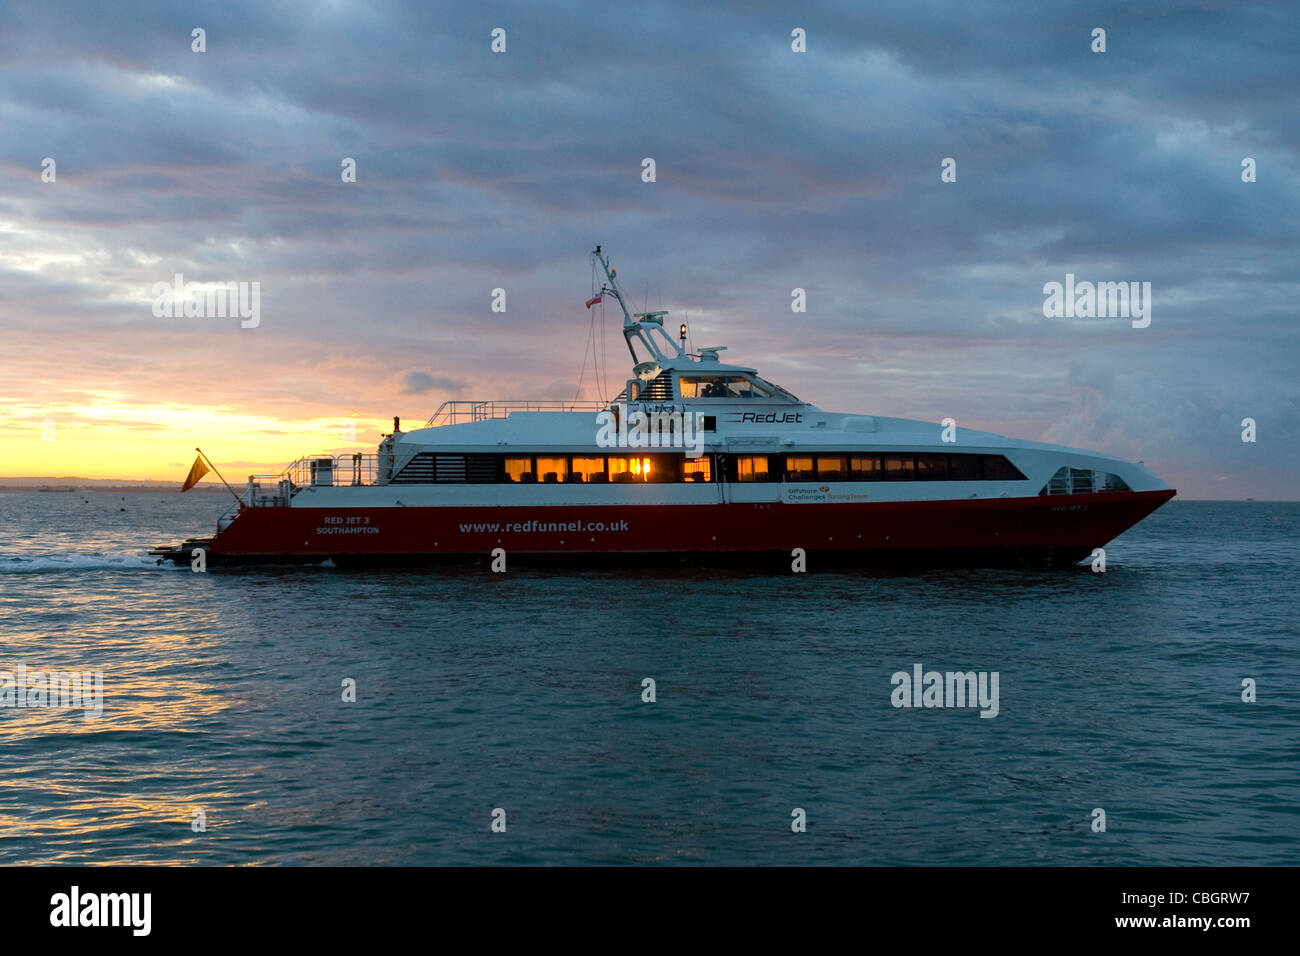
(724, 410)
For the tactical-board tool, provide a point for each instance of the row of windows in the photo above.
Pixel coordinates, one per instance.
(601, 469)
(597, 469)
(428, 468)
(890, 466)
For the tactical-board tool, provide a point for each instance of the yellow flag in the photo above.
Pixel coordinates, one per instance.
(197, 471)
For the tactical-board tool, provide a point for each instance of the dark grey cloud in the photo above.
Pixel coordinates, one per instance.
(418, 383)
(479, 171)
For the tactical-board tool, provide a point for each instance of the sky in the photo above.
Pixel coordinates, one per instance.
(774, 170)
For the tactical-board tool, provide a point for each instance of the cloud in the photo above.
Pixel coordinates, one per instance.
(417, 383)
(478, 171)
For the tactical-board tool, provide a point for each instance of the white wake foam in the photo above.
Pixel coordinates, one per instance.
(89, 561)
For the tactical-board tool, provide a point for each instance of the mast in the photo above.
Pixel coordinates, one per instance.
(612, 287)
(641, 328)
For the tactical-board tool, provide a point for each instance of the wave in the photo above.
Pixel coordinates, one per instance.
(84, 561)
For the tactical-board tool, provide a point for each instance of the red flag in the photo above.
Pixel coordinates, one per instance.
(197, 471)
(591, 302)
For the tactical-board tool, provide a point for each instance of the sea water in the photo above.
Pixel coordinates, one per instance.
(521, 700)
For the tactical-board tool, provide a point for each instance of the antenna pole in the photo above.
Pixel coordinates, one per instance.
(612, 287)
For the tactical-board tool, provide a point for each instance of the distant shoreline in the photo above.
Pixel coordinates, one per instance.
(83, 485)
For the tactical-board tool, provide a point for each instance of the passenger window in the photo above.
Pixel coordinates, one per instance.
(631, 469)
(930, 467)
(520, 469)
(830, 468)
(966, 467)
(552, 471)
(697, 469)
(899, 468)
(865, 467)
(799, 468)
(588, 469)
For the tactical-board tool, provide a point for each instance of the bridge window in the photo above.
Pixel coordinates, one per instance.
(721, 386)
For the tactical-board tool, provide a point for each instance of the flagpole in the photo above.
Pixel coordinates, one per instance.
(219, 475)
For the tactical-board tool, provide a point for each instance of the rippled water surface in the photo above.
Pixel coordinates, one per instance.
(222, 691)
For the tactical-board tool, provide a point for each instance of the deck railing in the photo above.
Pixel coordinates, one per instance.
(458, 412)
(348, 469)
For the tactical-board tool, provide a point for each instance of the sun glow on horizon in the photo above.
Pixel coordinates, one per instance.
(111, 437)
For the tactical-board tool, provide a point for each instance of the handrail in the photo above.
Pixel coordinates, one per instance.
(458, 411)
(347, 469)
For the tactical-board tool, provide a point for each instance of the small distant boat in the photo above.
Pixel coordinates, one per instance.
(63, 488)
(764, 474)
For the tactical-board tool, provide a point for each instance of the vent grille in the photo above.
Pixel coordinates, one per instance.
(418, 471)
(658, 389)
(449, 468)
(428, 468)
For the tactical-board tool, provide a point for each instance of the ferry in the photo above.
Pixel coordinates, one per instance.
(695, 460)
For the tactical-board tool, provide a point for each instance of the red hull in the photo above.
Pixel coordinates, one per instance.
(1069, 526)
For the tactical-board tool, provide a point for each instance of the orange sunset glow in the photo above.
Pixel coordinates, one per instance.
(113, 438)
